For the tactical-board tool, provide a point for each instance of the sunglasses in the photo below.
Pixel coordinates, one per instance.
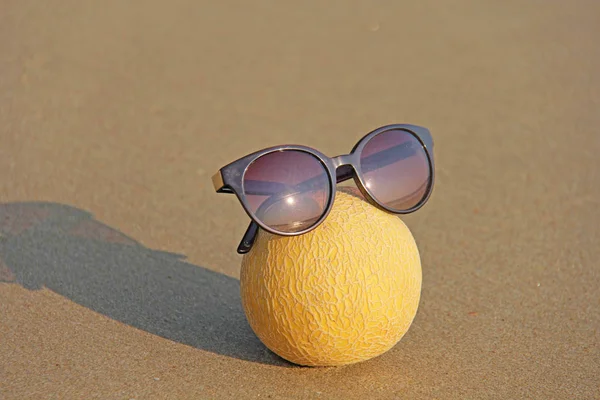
(289, 190)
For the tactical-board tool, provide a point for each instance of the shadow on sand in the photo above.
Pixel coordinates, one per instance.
(66, 250)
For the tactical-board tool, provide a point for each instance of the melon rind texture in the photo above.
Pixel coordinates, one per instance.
(343, 293)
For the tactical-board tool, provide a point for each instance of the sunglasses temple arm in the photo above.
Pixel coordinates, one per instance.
(344, 173)
(248, 239)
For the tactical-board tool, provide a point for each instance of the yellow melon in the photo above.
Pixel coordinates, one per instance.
(343, 293)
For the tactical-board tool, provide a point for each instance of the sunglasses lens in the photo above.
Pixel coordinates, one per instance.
(395, 169)
(287, 190)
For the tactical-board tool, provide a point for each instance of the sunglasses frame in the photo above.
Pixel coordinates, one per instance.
(230, 178)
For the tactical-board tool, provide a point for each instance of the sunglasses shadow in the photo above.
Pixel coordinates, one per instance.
(67, 251)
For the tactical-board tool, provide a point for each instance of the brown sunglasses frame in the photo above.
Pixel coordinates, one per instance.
(230, 178)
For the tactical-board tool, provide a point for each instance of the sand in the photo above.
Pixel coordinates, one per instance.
(118, 264)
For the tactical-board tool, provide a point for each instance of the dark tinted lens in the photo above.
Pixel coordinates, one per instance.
(287, 190)
(395, 169)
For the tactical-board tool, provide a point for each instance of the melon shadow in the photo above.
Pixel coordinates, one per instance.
(66, 250)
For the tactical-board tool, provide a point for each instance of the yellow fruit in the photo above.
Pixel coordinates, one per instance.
(343, 293)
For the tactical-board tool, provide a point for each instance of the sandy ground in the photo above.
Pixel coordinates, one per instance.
(118, 259)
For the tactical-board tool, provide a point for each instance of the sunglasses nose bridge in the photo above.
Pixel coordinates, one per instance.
(342, 160)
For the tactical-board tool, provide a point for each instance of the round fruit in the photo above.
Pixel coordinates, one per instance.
(342, 293)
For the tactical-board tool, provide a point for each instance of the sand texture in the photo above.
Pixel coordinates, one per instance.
(119, 276)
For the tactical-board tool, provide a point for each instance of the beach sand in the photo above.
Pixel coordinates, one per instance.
(117, 259)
